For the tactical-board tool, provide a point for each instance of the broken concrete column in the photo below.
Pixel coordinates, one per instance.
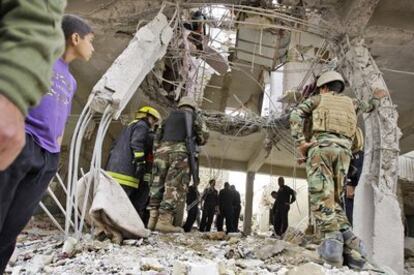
(248, 207)
(122, 79)
(377, 214)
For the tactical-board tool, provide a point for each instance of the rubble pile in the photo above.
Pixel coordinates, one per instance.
(409, 255)
(39, 251)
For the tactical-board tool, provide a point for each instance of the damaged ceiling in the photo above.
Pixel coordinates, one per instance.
(389, 34)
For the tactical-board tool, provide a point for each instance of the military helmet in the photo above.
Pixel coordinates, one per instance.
(144, 111)
(328, 77)
(187, 101)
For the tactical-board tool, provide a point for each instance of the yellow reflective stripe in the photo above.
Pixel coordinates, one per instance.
(124, 179)
(138, 154)
(136, 120)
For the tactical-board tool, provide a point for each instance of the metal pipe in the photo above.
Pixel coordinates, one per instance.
(51, 217)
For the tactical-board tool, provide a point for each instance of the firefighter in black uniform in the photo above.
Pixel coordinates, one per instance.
(131, 158)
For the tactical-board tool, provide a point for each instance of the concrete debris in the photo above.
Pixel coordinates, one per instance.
(249, 263)
(294, 235)
(151, 264)
(133, 242)
(270, 250)
(217, 236)
(409, 247)
(40, 252)
(69, 247)
(38, 262)
(179, 268)
(205, 267)
(308, 269)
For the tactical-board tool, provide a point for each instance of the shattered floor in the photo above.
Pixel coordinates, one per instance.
(39, 251)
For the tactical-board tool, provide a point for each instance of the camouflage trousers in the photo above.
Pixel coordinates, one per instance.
(326, 168)
(171, 176)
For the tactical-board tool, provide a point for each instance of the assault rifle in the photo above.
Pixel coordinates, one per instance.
(191, 145)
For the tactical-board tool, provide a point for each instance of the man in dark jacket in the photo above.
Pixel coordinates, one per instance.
(226, 209)
(210, 206)
(285, 196)
(192, 201)
(131, 158)
(236, 207)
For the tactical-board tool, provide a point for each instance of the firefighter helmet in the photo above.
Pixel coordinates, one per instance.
(187, 101)
(144, 111)
(328, 77)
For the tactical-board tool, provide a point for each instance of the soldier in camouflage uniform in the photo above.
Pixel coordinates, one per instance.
(171, 171)
(328, 154)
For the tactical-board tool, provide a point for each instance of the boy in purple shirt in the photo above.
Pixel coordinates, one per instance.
(24, 182)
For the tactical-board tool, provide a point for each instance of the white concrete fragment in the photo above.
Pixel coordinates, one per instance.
(179, 268)
(270, 250)
(38, 262)
(69, 246)
(249, 263)
(308, 269)
(16, 270)
(151, 264)
(205, 267)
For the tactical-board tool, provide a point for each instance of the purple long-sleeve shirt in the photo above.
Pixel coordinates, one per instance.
(46, 122)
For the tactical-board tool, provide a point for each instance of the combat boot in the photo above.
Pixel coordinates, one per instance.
(153, 218)
(165, 224)
(355, 255)
(332, 248)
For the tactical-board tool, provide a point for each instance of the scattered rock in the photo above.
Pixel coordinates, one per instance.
(233, 240)
(179, 268)
(270, 250)
(150, 264)
(311, 246)
(205, 267)
(38, 262)
(409, 247)
(249, 263)
(177, 254)
(294, 236)
(69, 246)
(241, 252)
(133, 242)
(308, 269)
(216, 236)
(229, 254)
(16, 270)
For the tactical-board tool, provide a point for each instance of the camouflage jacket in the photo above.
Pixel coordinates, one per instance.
(304, 110)
(201, 132)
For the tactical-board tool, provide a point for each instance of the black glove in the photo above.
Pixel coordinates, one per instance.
(140, 169)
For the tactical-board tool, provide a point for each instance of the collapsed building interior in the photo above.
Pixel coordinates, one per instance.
(246, 68)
